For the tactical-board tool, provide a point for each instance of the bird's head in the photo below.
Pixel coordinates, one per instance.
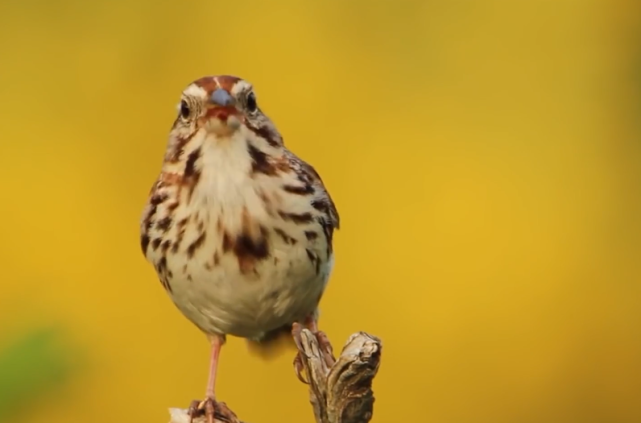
(219, 108)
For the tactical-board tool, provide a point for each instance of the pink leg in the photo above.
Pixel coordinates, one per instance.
(209, 404)
(216, 344)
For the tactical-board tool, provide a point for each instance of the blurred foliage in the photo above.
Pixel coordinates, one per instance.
(484, 156)
(30, 367)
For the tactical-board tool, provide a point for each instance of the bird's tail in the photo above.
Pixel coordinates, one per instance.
(273, 343)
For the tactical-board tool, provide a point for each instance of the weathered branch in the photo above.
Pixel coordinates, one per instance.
(340, 390)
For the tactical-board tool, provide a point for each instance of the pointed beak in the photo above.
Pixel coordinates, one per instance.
(221, 97)
(221, 115)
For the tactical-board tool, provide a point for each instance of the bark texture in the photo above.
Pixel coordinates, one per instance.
(340, 389)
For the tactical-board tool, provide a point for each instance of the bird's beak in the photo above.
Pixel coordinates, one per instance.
(221, 115)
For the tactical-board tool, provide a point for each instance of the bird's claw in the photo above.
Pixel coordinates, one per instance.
(325, 348)
(211, 409)
(299, 366)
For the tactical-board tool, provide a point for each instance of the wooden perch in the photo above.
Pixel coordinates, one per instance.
(340, 390)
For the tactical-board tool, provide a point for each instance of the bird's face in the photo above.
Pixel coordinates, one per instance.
(216, 114)
(220, 106)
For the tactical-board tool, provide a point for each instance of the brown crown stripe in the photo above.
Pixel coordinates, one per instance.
(296, 218)
(299, 190)
(208, 83)
(196, 244)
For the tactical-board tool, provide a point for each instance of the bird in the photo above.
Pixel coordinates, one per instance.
(238, 229)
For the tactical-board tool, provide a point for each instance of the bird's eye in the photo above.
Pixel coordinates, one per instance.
(251, 103)
(184, 109)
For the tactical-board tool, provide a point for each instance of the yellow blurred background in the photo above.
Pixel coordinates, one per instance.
(485, 156)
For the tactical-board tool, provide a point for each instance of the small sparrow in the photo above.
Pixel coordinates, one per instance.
(237, 227)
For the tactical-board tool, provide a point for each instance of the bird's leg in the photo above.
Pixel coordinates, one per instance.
(209, 404)
(323, 343)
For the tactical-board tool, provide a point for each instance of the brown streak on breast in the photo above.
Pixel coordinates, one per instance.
(314, 259)
(178, 147)
(164, 275)
(249, 250)
(163, 224)
(249, 246)
(227, 244)
(267, 202)
(165, 245)
(171, 179)
(260, 161)
(144, 243)
(172, 207)
(156, 243)
(321, 206)
(154, 201)
(328, 231)
(296, 218)
(272, 138)
(191, 175)
(286, 238)
(299, 189)
(180, 228)
(198, 242)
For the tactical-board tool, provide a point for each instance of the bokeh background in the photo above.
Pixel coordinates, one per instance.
(485, 156)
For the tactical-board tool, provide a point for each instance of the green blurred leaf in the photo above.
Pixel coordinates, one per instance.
(32, 365)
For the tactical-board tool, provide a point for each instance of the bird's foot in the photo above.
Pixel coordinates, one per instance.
(299, 366)
(325, 349)
(211, 410)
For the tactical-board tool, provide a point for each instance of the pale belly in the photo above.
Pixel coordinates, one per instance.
(220, 299)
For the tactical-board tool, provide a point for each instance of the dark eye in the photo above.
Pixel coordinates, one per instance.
(251, 103)
(184, 109)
